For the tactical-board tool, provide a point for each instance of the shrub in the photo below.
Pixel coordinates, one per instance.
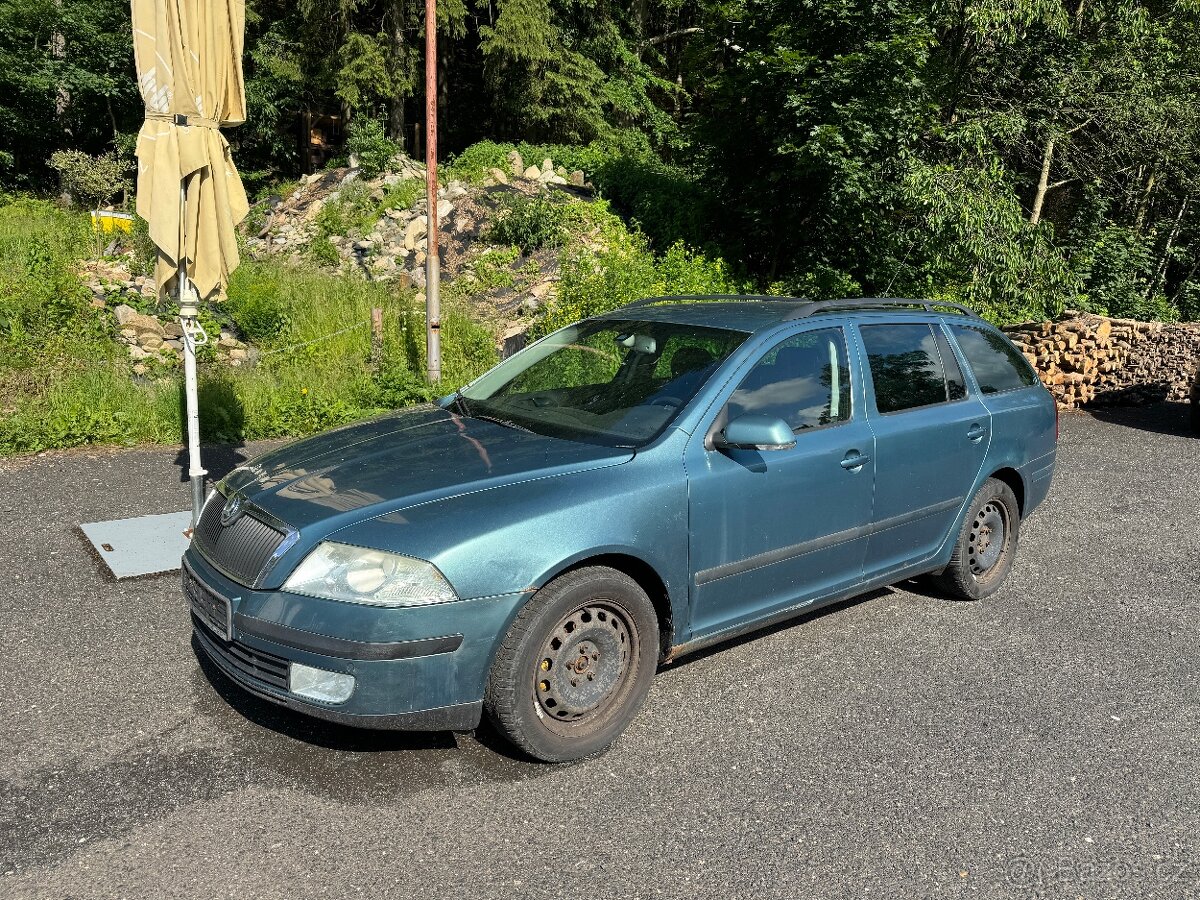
(1120, 266)
(90, 180)
(323, 252)
(401, 195)
(529, 223)
(596, 282)
(367, 140)
(473, 163)
(494, 268)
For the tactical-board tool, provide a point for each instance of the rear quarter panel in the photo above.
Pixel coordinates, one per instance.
(1024, 433)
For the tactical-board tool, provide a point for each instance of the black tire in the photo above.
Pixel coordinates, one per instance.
(981, 562)
(572, 700)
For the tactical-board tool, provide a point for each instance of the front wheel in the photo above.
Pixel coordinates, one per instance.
(575, 666)
(987, 543)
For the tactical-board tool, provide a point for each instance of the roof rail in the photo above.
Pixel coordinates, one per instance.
(814, 307)
(736, 298)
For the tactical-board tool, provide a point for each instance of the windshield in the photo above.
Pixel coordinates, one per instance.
(613, 382)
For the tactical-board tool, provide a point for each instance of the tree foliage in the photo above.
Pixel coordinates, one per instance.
(1020, 155)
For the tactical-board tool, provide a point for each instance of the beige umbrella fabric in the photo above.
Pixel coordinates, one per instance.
(189, 64)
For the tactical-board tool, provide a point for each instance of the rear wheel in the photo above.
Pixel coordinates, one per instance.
(987, 544)
(575, 666)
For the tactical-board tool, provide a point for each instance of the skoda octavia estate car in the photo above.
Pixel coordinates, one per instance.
(624, 491)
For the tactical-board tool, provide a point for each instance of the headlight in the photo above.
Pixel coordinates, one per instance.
(375, 577)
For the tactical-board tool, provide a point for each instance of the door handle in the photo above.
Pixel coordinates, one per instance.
(975, 433)
(854, 460)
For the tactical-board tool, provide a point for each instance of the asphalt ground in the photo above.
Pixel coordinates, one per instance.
(1042, 742)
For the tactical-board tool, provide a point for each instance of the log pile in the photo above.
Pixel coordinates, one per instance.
(1086, 358)
(1163, 367)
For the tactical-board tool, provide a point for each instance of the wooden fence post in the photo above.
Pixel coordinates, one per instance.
(376, 337)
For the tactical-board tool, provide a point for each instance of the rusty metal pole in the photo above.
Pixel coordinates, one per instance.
(433, 304)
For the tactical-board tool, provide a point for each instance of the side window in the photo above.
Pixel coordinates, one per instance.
(906, 367)
(997, 365)
(805, 381)
(956, 385)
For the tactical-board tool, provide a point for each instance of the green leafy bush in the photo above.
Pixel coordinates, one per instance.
(323, 252)
(530, 223)
(1119, 269)
(593, 282)
(367, 140)
(494, 268)
(401, 195)
(473, 163)
(90, 181)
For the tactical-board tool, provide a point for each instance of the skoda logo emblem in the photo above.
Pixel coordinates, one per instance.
(232, 509)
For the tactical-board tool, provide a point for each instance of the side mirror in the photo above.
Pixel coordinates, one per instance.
(754, 432)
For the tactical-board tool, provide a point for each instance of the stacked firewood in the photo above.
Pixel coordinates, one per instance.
(1086, 358)
(1162, 367)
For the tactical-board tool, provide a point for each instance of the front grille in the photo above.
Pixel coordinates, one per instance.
(241, 549)
(260, 667)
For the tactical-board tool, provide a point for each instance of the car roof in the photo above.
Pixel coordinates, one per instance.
(751, 313)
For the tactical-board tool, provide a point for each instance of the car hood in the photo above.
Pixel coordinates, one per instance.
(400, 460)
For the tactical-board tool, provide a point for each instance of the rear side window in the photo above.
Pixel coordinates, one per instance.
(997, 365)
(906, 367)
(956, 385)
(804, 380)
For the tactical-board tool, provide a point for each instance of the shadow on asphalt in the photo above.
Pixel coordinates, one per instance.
(758, 633)
(319, 732)
(1173, 418)
(344, 738)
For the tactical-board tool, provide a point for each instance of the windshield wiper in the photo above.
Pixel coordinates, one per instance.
(504, 422)
(459, 402)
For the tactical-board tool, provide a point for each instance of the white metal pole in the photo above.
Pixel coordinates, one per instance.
(193, 336)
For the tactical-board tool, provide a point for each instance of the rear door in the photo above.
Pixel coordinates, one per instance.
(931, 437)
(775, 529)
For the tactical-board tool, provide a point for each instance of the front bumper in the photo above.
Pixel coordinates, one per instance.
(422, 668)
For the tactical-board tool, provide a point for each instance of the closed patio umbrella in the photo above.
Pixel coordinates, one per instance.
(189, 66)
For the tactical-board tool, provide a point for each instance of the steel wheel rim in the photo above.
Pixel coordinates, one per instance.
(584, 664)
(988, 539)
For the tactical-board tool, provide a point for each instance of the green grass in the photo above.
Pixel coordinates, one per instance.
(64, 382)
(401, 195)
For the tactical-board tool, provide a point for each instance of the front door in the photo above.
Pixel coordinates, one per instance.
(775, 529)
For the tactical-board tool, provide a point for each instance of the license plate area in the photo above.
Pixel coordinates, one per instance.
(211, 609)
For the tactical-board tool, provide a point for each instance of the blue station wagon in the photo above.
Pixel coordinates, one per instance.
(624, 491)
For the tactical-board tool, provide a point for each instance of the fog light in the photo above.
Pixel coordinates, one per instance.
(331, 687)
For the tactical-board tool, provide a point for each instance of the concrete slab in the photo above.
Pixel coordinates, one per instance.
(144, 545)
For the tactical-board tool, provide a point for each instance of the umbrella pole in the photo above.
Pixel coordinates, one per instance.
(193, 336)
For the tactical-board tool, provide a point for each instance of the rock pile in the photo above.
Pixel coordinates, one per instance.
(1085, 358)
(394, 247)
(152, 341)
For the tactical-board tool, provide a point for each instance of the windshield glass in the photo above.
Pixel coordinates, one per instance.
(613, 382)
